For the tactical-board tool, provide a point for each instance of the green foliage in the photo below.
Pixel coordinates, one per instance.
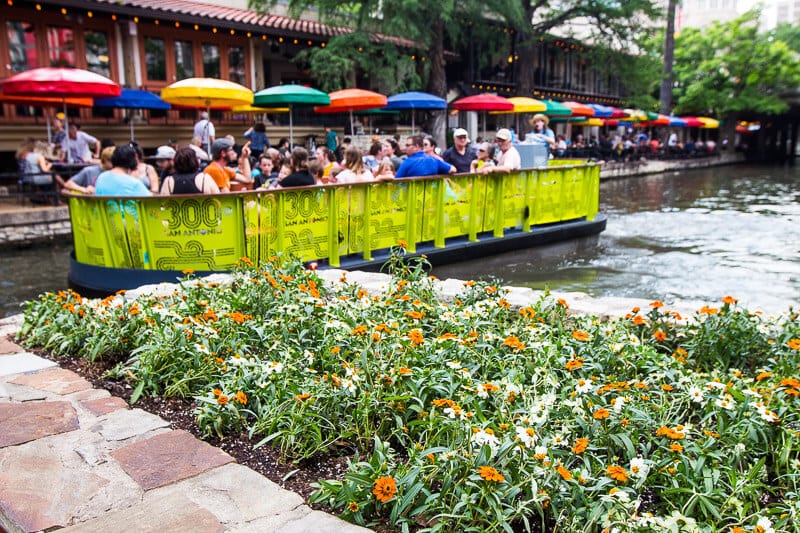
(731, 68)
(469, 414)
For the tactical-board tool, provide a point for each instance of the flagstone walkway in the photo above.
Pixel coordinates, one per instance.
(75, 457)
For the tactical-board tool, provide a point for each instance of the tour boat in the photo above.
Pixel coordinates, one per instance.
(126, 242)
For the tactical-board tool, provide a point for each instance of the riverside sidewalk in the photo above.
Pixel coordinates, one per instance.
(75, 457)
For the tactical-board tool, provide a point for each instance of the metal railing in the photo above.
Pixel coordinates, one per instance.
(328, 223)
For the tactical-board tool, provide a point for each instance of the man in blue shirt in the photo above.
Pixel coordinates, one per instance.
(418, 163)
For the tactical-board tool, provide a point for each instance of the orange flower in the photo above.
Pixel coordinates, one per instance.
(415, 336)
(580, 445)
(675, 447)
(217, 392)
(352, 507)
(402, 244)
(405, 371)
(415, 315)
(514, 342)
(302, 397)
(572, 364)
(657, 304)
(638, 320)
(659, 335)
(763, 375)
(666, 387)
(239, 318)
(563, 303)
(601, 414)
(790, 382)
(737, 529)
(618, 473)
(579, 335)
(706, 310)
(490, 474)
(241, 398)
(222, 399)
(384, 489)
(794, 344)
(564, 473)
(729, 300)
(359, 330)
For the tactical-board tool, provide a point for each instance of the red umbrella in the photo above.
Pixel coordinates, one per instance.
(483, 102)
(60, 82)
(349, 100)
(45, 101)
(580, 110)
(692, 122)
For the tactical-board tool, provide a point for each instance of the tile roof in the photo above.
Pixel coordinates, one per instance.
(229, 17)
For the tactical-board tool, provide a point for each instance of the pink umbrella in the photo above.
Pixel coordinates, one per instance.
(60, 82)
(483, 102)
(693, 122)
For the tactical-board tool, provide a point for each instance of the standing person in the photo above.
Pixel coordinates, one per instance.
(460, 155)
(78, 143)
(299, 173)
(541, 135)
(204, 129)
(420, 164)
(186, 179)
(257, 135)
(222, 153)
(331, 139)
(283, 147)
(118, 180)
(342, 149)
(508, 159)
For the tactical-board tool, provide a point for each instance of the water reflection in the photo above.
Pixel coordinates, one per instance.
(695, 235)
(28, 272)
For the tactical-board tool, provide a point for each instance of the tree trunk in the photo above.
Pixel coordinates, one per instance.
(437, 83)
(665, 96)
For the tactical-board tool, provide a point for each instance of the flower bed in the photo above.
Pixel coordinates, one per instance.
(471, 414)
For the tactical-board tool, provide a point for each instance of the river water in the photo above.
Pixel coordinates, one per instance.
(694, 235)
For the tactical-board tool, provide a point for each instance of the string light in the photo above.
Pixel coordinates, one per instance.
(196, 27)
(263, 37)
(136, 20)
(38, 7)
(233, 32)
(11, 2)
(89, 14)
(63, 10)
(156, 22)
(177, 24)
(295, 42)
(249, 34)
(113, 16)
(322, 45)
(213, 30)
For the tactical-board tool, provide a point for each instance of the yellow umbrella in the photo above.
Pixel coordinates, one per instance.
(258, 110)
(635, 115)
(523, 104)
(592, 121)
(708, 123)
(209, 93)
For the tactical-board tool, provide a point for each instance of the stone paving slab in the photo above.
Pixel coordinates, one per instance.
(22, 362)
(172, 512)
(103, 406)
(24, 422)
(57, 380)
(167, 458)
(7, 345)
(120, 425)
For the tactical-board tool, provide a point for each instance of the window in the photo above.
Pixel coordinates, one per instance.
(236, 68)
(21, 46)
(211, 68)
(184, 63)
(97, 54)
(61, 47)
(155, 59)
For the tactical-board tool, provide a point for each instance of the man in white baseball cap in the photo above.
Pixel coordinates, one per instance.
(164, 161)
(460, 155)
(509, 158)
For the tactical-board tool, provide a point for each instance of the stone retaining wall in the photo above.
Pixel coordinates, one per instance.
(642, 167)
(35, 225)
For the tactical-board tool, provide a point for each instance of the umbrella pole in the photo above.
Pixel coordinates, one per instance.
(412, 122)
(291, 129)
(130, 121)
(352, 129)
(49, 133)
(66, 130)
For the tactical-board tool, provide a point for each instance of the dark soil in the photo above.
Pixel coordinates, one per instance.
(296, 477)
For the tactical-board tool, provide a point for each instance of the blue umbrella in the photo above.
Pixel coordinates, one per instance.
(676, 121)
(132, 99)
(415, 100)
(601, 111)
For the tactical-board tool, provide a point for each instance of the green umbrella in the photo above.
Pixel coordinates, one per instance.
(556, 109)
(287, 96)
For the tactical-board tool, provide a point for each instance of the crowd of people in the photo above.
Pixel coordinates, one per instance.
(211, 164)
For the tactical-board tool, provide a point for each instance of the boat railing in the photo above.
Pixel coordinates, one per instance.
(326, 223)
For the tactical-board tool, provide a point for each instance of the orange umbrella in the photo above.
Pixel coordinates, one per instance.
(579, 110)
(45, 101)
(349, 100)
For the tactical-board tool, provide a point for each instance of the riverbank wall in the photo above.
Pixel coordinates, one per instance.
(23, 225)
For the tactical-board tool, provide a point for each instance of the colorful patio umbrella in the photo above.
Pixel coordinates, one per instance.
(708, 123)
(523, 104)
(676, 121)
(207, 93)
(349, 100)
(556, 109)
(579, 110)
(414, 100)
(590, 121)
(45, 101)
(618, 112)
(660, 120)
(290, 95)
(132, 99)
(601, 111)
(692, 122)
(60, 82)
(253, 110)
(483, 102)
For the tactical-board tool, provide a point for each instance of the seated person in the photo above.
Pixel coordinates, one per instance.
(222, 153)
(118, 181)
(84, 180)
(187, 178)
(485, 158)
(265, 173)
(418, 163)
(300, 174)
(385, 171)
